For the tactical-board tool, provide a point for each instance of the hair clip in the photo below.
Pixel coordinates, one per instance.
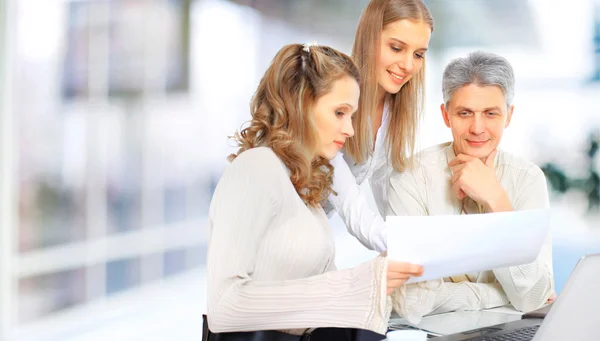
(307, 46)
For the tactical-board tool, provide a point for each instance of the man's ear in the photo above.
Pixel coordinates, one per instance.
(509, 116)
(445, 115)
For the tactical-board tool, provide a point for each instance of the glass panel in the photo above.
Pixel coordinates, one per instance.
(122, 274)
(45, 294)
(174, 262)
(196, 256)
(123, 178)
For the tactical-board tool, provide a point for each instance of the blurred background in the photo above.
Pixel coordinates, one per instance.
(114, 117)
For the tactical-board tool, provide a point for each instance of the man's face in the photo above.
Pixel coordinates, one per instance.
(477, 116)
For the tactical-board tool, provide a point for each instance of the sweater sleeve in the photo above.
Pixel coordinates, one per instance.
(243, 207)
(468, 296)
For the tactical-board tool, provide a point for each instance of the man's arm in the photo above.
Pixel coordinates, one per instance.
(529, 286)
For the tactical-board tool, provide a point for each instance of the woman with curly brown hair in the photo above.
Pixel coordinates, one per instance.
(271, 252)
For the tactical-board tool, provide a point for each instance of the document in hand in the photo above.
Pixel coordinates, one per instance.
(448, 245)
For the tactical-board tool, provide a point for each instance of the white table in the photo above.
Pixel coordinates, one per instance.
(459, 321)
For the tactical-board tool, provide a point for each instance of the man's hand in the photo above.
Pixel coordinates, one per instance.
(477, 180)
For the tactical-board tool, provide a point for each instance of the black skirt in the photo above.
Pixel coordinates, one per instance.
(319, 334)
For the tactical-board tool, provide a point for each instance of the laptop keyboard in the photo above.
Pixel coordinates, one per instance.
(523, 334)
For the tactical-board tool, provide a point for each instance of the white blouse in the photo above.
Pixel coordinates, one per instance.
(360, 220)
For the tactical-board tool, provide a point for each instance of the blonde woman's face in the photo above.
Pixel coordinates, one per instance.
(403, 44)
(333, 116)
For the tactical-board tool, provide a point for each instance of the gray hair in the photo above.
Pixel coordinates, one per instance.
(479, 68)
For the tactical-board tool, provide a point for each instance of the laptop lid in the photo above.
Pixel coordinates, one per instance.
(576, 313)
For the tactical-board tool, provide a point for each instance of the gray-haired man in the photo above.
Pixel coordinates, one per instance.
(468, 176)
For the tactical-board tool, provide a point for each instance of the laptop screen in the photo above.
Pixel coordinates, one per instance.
(576, 313)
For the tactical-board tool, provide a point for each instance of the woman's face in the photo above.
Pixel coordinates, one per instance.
(403, 44)
(333, 116)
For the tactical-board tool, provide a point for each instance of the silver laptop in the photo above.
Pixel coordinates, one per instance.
(574, 316)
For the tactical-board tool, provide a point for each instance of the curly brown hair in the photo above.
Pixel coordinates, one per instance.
(282, 119)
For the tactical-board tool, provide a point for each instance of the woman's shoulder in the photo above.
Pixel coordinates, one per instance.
(256, 173)
(264, 154)
(259, 162)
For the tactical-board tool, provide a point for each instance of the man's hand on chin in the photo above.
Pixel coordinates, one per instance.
(477, 180)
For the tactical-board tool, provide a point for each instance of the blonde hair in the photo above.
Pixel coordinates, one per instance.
(406, 106)
(281, 114)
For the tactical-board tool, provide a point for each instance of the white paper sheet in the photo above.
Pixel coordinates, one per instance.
(450, 245)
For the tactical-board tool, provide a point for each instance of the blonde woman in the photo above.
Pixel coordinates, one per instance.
(390, 47)
(271, 272)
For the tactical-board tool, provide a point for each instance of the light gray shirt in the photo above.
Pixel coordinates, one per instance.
(427, 190)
